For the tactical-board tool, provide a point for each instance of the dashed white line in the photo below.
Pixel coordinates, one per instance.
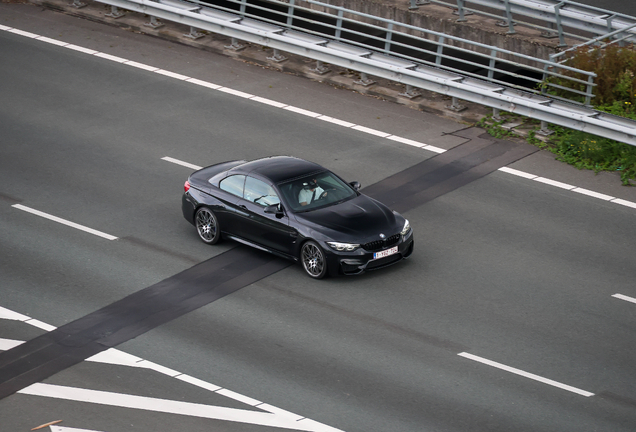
(64, 222)
(314, 115)
(624, 297)
(526, 374)
(180, 162)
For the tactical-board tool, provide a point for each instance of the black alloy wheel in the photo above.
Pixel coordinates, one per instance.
(207, 226)
(313, 259)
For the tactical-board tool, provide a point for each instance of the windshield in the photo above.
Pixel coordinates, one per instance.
(315, 191)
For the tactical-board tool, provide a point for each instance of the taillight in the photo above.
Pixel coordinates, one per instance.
(186, 186)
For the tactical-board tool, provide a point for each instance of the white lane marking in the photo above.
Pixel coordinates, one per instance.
(336, 121)
(518, 173)
(235, 92)
(554, 183)
(111, 57)
(269, 102)
(371, 131)
(120, 358)
(141, 66)
(203, 83)
(301, 111)
(170, 406)
(624, 202)
(22, 33)
(7, 344)
(525, 374)
(314, 115)
(64, 222)
(406, 141)
(624, 297)
(69, 429)
(81, 49)
(14, 316)
(52, 41)
(199, 383)
(593, 194)
(180, 162)
(172, 74)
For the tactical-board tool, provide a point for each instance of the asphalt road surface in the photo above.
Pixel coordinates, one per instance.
(515, 313)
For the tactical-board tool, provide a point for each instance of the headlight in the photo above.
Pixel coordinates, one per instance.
(343, 246)
(406, 228)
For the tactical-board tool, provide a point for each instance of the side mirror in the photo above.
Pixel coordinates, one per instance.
(275, 209)
(356, 185)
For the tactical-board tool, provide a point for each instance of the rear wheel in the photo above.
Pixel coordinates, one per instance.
(313, 259)
(207, 225)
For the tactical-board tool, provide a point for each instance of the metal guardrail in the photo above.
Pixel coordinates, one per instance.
(341, 42)
(556, 16)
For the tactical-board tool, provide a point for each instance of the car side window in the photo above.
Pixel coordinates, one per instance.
(233, 184)
(260, 192)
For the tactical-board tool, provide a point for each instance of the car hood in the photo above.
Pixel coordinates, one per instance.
(356, 220)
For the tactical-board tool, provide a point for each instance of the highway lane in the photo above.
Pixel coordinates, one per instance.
(507, 269)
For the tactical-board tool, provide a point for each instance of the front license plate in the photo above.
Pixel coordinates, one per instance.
(385, 253)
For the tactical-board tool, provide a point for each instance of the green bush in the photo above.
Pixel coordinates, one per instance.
(615, 93)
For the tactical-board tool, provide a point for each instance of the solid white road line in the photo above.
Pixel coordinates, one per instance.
(525, 374)
(173, 407)
(64, 222)
(624, 297)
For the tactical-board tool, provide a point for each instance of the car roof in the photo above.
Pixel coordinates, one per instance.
(279, 168)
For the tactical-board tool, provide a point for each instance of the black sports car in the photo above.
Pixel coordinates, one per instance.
(298, 210)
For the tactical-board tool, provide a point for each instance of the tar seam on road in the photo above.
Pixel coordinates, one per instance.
(46, 355)
(447, 171)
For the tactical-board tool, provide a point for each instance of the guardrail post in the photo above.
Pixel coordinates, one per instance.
(610, 29)
(491, 66)
(416, 3)
(154, 23)
(277, 56)
(236, 45)
(455, 105)
(461, 12)
(115, 13)
(495, 114)
(557, 9)
(545, 131)
(320, 68)
(364, 80)
(389, 36)
(290, 14)
(410, 92)
(339, 25)
(509, 21)
(440, 50)
(590, 88)
(194, 34)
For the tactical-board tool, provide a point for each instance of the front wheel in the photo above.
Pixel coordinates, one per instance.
(207, 226)
(313, 259)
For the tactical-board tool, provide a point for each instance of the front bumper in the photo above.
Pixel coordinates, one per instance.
(360, 260)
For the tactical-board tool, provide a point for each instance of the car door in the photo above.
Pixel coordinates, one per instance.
(230, 194)
(269, 230)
